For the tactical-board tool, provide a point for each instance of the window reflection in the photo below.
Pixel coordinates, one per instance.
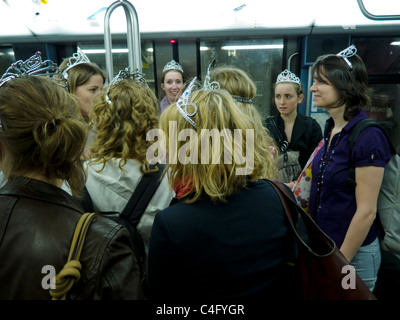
(261, 59)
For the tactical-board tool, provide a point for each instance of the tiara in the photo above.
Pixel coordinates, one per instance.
(36, 67)
(136, 76)
(242, 100)
(208, 85)
(288, 76)
(173, 65)
(77, 58)
(347, 53)
(183, 103)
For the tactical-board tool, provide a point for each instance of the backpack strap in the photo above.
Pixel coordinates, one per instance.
(354, 134)
(142, 195)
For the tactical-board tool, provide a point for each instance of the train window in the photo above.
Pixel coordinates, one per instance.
(381, 55)
(6, 58)
(261, 59)
(96, 54)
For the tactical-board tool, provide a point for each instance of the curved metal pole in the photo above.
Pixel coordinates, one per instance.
(133, 37)
(375, 17)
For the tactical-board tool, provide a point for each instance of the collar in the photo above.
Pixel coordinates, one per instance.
(349, 126)
(39, 190)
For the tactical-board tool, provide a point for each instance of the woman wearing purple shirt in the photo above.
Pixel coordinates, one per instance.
(343, 211)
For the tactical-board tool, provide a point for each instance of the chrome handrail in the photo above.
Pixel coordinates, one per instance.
(133, 37)
(373, 16)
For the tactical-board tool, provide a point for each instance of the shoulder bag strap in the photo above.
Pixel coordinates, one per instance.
(142, 195)
(71, 271)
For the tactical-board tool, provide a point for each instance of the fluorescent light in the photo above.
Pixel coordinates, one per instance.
(253, 47)
(94, 51)
(395, 43)
(204, 48)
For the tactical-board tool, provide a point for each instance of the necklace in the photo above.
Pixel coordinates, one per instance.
(327, 153)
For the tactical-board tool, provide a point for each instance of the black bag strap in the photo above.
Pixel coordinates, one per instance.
(139, 199)
(142, 195)
(354, 134)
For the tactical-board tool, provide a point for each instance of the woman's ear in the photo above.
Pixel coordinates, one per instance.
(301, 98)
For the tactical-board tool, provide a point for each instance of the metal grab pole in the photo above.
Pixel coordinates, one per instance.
(134, 44)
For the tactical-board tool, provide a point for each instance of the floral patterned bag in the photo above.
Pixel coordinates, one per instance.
(302, 186)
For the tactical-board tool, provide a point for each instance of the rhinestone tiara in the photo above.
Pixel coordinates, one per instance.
(208, 85)
(347, 53)
(183, 103)
(173, 65)
(126, 74)
(77, 58)
(288, 76)
(36, 67)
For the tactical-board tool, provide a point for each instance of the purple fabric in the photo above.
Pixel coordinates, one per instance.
(337, 198)
(164, 104)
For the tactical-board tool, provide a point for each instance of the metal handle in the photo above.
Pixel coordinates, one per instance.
(375, 17)
(134, 44)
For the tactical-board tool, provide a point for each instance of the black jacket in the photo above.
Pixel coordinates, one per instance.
(306, 135)
(37, 221)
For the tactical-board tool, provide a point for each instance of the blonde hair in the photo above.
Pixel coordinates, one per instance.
(215, 110)
(239, 84)
(43, 131)
(123, 125)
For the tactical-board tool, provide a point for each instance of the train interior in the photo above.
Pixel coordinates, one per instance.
(261, 37)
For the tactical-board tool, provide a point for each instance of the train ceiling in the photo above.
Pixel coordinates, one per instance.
(44, 20)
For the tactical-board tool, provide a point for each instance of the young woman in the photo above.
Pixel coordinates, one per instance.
(171, 83)
(123, 114)
(85, 80)
(42, 136)
(220, 241)
(302, 133)
(344, 211)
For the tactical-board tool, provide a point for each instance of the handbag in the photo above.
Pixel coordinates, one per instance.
(288, 161)
(302, 186)
(70, 273)
(320, 263)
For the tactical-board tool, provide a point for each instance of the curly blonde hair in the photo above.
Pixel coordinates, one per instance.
(122, 125)
(216, 109)
(43, 131)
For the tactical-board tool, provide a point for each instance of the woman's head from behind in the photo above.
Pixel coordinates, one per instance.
(41, 131)
(221, 155)
(122, 125)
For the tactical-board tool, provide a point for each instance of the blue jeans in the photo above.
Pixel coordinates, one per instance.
(367, 262)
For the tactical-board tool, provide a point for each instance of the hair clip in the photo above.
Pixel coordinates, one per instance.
(207, 84)
(77, 58)
(347, 53)
(242, 100)
(36, 67)
(288, 76)
(173, 65)
(183, 103)
(136, 76)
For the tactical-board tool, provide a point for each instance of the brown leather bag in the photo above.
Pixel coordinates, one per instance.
(320, 262)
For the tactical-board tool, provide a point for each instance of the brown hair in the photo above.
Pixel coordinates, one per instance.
(42, 131)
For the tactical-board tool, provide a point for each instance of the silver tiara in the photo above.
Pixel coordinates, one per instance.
(77, 58)
(208, 85)
(173, 65)
(183, 103)
(347, 53)
(36, 67)
(288, 76)
(126, 74)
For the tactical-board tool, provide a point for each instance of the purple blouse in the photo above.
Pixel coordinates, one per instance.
(332, 199)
